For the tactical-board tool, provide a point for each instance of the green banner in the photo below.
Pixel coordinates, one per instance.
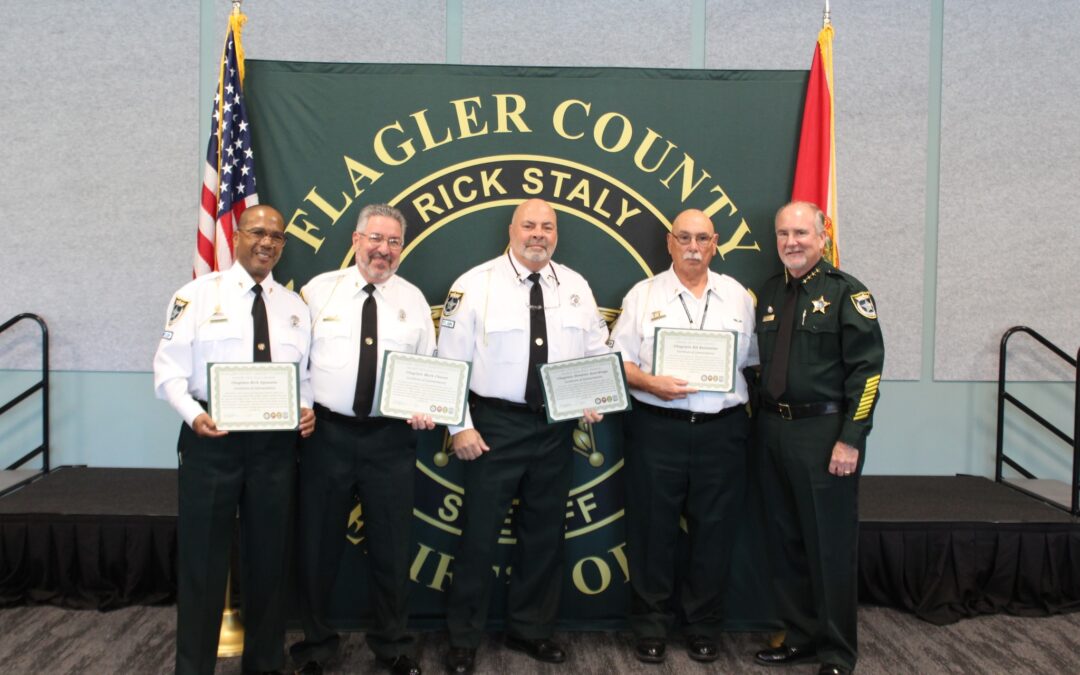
(617, 152)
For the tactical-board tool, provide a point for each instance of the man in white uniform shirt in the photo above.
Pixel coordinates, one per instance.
(357, 315)
(241, 314)
(507, 316)
(685, 449)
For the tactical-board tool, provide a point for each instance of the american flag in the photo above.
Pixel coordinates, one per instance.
(229, 177)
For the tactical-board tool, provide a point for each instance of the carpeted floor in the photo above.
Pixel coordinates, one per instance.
(49, 640)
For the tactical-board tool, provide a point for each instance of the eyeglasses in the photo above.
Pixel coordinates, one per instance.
(258, 234)
(685, 238)
(377, 239)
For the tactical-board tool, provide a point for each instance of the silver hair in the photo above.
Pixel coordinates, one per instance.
(819, 215)
(384, 210)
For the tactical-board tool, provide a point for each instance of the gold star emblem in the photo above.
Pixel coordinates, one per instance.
(820, 304)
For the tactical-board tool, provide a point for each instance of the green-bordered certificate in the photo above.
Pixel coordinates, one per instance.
(414, 384)
(254, 396)
(596, 382)
(704, 358)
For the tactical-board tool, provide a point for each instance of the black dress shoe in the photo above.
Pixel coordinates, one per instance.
(784, 656)
(400, 665)
(309, 668)
(540, 649)
(460, 660)
(701, 648)
(650, 650)
(833, 669)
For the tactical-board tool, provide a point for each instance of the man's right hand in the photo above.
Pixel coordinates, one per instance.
(668, 388)
(468, 444)
(205, 427)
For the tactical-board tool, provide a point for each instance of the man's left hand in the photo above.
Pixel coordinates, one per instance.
(845, 459)
(307, 422)
(591, 416)
(420, 422)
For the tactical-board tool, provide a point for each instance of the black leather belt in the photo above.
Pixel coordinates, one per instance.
(800, 410)
(324, 413)
(687, 415)
(503, 404)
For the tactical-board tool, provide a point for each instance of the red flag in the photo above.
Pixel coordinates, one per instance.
(815, 167)
(229, 176)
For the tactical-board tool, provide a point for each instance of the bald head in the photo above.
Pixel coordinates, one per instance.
(692, 245)
(533, 234)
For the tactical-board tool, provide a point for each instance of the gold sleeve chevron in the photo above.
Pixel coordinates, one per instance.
(867, 400)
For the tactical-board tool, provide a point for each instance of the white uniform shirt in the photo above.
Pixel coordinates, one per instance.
(336, 301)
(658, 303)
(209, 320)
(486, 321)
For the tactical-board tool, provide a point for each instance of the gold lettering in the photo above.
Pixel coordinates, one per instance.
(488, 182)
(445, 195)
(324, 206)
(358, 172)
(558, 118)
(451, 507)
(620, 558)
(645, 146)
(601, 127)
(601, 568)
(733, 244)
(560, 176)
(724, 201)
(426, 203)
(599, 205)
(625, 212)
(464, 196)
(384, 155)
(425, 131)
(466, 117)
(442, 570)
(533, 184)
(304, 234)
(504, 114)
(580, 192)
(687, 168)
(586, 505)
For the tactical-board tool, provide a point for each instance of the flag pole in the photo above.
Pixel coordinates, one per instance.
(825, 20)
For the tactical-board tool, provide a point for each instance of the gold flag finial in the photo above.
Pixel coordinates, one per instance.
(236, 6)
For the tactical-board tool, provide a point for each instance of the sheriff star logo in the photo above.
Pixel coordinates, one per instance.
(820, 304)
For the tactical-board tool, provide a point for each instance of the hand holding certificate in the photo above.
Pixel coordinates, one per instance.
(595, 382)
(704, 358)
(254, 396)
(414, 384)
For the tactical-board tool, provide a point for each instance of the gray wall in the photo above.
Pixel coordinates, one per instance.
(957, 143)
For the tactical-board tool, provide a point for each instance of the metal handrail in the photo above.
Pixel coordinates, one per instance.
(43, 386)
(1003, 396)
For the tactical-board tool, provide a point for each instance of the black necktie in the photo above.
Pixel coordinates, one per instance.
(538, 352)
(260, 352)
(778, 369)
(369, 355)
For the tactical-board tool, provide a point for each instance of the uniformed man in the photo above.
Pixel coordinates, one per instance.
(822, 353)
(686, 450)
(357, 315)
(241, 314)
(507, 316)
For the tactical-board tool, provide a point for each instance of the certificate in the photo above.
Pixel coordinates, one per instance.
(704, 358)
(412, 383)
(596, 382)
(254, 396)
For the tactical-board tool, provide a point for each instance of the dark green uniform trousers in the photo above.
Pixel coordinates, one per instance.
(813, 521)
(254, 471)
(532, 460)
(675, 467)
(375, 459)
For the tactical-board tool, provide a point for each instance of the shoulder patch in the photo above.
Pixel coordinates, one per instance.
(178, 307)
(864, 304)
(453, 301)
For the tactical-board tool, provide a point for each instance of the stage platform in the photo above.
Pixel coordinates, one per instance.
(941, 547)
